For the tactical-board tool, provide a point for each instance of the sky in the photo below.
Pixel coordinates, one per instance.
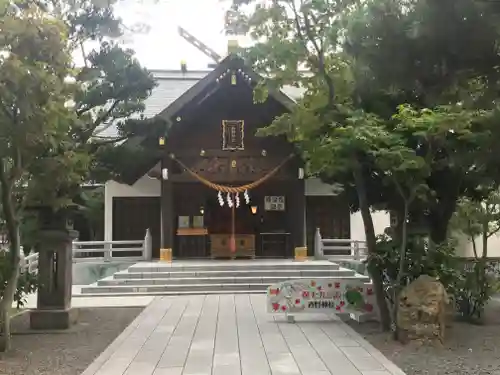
(161, 47)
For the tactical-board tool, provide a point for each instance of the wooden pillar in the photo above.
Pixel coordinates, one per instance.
(167, 206)
(296, 210)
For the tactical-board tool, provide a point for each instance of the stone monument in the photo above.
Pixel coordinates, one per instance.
(55, 273)
(422, 311)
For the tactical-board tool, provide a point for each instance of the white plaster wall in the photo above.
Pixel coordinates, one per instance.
(465, 249)
(144, 187)
(381, 220)
(315, 187)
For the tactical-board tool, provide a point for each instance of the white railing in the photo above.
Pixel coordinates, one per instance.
(338, 249)
(30, 263)
(101, 251)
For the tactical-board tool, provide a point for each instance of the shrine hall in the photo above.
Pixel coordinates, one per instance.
(213, 187)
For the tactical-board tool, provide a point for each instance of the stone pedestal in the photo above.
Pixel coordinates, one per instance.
(55, 274)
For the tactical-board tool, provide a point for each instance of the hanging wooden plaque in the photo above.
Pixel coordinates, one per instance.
(233, 134)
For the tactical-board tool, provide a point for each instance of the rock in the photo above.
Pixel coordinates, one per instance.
(422, 310)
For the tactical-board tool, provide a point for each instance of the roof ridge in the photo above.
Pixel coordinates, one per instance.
(179, 71)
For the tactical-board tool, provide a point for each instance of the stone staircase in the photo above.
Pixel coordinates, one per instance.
(212, 277)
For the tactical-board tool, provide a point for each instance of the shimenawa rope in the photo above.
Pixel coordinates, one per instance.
(233, 189)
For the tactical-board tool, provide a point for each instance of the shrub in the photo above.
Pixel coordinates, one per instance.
(421, 259)
(475, 286)
(26, 284)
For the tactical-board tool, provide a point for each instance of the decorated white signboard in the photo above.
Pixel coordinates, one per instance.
(320, 296)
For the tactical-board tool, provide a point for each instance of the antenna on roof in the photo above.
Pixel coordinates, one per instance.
(191, 39)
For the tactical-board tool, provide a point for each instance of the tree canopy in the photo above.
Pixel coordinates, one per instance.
(368, 58)
(400, 99)
(34, 126)
(58, 120)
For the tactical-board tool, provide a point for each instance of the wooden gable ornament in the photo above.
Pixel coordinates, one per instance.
(233, 134)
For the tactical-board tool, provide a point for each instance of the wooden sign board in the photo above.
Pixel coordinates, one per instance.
(233, 135)
(335, 295)
(274, 203)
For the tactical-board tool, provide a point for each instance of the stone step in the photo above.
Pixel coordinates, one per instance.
(195, 287)
(257, 279)
(178, 293)
(362, 316)
(173, 288)
(287, 274)
(232, 266)
(212, 277)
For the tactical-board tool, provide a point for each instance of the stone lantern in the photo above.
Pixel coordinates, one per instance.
(55, 270)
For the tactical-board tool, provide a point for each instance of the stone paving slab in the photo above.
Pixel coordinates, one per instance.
(234, 335)
(96, 301)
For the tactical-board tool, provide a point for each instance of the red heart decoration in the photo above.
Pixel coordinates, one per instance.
(283, 308)
(305, 294)
(297, 301)
(276, 306)
(337, 308)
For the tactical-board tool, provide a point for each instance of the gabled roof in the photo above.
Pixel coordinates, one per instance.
(231, 62)
(171, 84)
(196, 87)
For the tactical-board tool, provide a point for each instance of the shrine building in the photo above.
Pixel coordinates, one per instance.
(216, 189)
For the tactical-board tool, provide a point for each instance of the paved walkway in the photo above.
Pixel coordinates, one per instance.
(233, 335)
(82, 302)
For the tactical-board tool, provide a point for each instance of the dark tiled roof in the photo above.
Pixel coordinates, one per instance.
(171, 85)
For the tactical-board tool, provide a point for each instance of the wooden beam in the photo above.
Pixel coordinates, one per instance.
(226, 179)
(167, 209)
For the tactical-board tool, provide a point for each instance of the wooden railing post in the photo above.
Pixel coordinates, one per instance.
(355, 249)
(318, 245)
(147, 250)
(23, 263)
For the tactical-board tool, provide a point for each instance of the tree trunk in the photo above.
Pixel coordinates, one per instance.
(402, 266)
(485, 239)
(5, 309)
(439, 218)
(14, 258)
(371, 242)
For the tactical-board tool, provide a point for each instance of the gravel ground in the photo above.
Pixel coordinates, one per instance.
(65, 352)
(468, 350)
